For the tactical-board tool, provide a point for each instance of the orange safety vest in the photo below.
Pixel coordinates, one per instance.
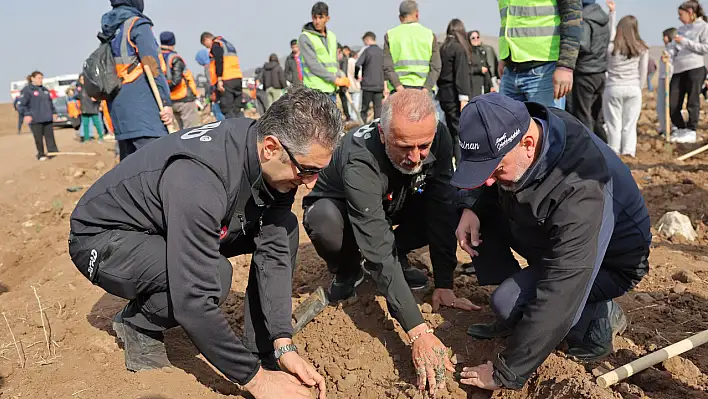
(107, 116)
(187, 83)
(232, 67)
(125, 53)
(73, 108)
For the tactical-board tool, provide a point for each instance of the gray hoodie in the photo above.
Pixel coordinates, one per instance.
(689, 53)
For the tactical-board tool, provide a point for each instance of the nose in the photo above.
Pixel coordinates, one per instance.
(490, 181)
(414, 156)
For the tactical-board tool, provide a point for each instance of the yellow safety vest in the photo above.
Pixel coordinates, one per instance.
(411, 47)
(327, 56)
(529, 32)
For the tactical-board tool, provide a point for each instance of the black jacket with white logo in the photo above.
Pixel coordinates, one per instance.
(200, 213)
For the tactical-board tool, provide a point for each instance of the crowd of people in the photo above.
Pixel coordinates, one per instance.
(528, 137)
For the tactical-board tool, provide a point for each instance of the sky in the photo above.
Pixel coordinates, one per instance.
(56, 36)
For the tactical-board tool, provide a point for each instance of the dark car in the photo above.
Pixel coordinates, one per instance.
(63, 119)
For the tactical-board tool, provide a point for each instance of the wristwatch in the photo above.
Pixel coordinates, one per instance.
(283, 350)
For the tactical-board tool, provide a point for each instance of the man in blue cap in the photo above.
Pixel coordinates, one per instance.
(552, 191)
(183, 88)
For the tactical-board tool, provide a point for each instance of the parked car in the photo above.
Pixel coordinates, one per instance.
(63, 119)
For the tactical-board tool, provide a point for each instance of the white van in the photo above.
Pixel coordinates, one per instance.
(16, 87)
(60, 83)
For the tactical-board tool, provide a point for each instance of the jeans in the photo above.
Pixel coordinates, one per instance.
(650, 84)
(535, 84)
(355, 106)
(622, 106)
(216, 109)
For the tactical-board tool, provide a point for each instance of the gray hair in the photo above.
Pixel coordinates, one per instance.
(300, 118)
(407, 7)
(415, 104)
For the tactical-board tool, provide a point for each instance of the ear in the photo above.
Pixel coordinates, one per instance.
(417, 15)
(271, 148)
(529, 143)
(382, 137)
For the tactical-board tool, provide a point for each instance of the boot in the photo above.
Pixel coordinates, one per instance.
(598, 340)
(343, 286)
(416, 278)
(144, 350)
(489, 330)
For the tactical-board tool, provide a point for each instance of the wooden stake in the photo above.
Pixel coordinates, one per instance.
(156, 93)
(20, 353)
(692, 153)
(667, 114)
(88, 154)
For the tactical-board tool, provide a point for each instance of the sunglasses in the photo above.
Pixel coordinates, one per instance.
(302, 171)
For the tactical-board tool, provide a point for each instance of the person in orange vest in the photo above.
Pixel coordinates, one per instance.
(225, 73)
(183, 89)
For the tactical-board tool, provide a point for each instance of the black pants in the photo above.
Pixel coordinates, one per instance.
(129, 146)
(687, 83)
(368, 97)
(133, 266)
(230, 99)
(452, 120)
(20, 120)
(345, 104)
(327, 224)
(585, 101)
(43, 132)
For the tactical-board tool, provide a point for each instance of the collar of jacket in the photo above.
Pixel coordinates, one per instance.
(259, 188)
(552, 144)
(311, 28)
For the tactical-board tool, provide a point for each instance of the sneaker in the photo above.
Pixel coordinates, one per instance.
(344, 286)
(144, 350)
(42, 158)
(599, 338)
(489, 330)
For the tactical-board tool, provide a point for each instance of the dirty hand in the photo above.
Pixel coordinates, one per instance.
(562, 82)
(446, 297)
(167, 116)
(480, 376)
(275, 385)
(467, 232)
(297, 366)
(611, 5)
(430, 358)
(220, 86)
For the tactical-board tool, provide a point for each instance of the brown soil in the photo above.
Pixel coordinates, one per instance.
(355, 345)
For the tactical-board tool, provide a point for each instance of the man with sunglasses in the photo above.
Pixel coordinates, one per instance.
(158, 229)
(392, 172)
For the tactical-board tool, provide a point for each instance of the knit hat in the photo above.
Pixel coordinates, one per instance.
(167, 38)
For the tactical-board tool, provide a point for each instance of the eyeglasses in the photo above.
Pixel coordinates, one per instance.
(302, 171)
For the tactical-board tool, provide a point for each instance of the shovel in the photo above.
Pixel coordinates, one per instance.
(309, 309)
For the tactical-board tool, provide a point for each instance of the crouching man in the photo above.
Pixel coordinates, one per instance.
(159, 227)
(395, 171)
(562, 199)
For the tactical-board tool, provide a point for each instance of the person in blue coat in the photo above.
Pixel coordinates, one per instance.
(20, 117)
(137, 120)
(39, 113)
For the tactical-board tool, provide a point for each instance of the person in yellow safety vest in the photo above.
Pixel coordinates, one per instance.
(183, 89)
(411, 52)
(538, 48)
(225, 74)
(318, 49)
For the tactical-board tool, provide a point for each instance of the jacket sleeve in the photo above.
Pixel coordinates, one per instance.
(571, 14)
(194, 202)
(389, 72)
(643, 68)
(274, 265)
(492, 61)
(376, 241)
(699, 46)
(281, 76)
(462, 75)
(218, 53)
(177, 71)
(576, 247)
(435, 66)
(309, 58)
(586, 39)
(440, 216)
(25, 102)
(144, 40)
(288, 68)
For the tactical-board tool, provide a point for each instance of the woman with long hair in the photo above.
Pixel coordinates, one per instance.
(39, 113)
(690, 45)
(454, 81)
(627, 60)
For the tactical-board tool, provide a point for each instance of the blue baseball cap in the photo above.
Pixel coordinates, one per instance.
(491, 125)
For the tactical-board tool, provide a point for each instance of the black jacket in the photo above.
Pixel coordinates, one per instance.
(361, 172)
(592, 57)
(273, 76)
(88, 105)
(200, 217)
(37, 103)
(480, 82)
(371, 63)
(454, 80)
(291, 73)
(577, 209)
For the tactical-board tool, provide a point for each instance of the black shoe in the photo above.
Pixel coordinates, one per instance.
(416, 278)
(489, 330)
(468, 268)
(598, 340)
(344, 286)
(144, 350)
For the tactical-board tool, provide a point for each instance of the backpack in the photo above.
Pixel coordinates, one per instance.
(100, 78)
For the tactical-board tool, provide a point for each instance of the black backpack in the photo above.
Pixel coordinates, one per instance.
(100, 78)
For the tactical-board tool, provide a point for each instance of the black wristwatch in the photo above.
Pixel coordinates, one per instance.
(283, 350)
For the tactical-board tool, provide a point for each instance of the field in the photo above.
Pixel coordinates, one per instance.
(355, 345)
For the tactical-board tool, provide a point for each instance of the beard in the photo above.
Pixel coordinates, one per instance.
(522, 167)
(400, 166)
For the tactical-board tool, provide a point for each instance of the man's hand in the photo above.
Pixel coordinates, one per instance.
(55, 117)
(297, 366)
(462, 105)
(562, 82)
(467, 232)
(28, 120)
(430, 358)
(446, 297)
(485, 69)
(220, 86)
(400, 88)
(611, 5)
(480, 376)
(167, 116)
(275, 385)
(500, 68)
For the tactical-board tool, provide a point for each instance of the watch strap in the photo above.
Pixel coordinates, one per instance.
(283, 350)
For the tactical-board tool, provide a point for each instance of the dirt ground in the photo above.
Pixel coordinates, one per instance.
(355, 345)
